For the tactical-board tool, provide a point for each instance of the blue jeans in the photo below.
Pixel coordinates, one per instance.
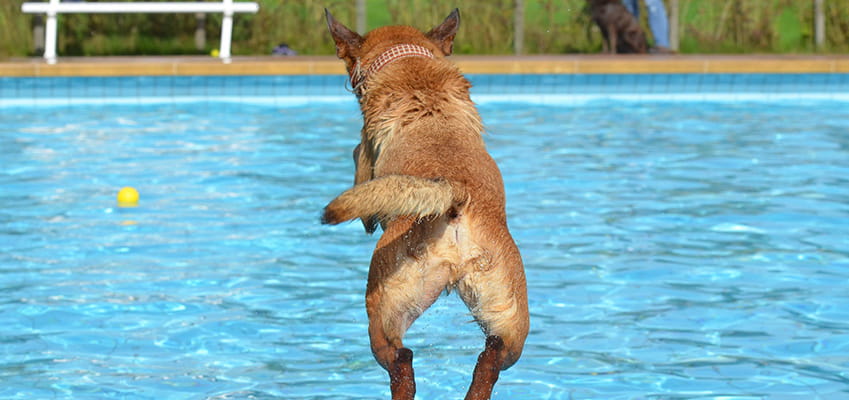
(658, 22)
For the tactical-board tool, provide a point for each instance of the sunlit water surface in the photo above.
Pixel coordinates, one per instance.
(673, 251)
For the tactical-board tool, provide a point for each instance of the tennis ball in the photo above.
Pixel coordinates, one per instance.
(128, 197)
(214, 53)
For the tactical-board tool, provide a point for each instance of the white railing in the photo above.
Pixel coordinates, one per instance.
(55, 7)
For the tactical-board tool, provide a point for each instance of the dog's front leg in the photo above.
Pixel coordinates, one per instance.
(613, 35)
(364, 172)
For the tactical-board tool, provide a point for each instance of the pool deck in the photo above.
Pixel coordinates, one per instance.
(328, 65)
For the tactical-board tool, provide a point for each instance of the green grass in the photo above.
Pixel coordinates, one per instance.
(551, 27)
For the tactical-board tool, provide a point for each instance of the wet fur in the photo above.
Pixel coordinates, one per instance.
(620, 29)
(423, 174)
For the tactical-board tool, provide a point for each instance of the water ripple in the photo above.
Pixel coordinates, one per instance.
(694, 251)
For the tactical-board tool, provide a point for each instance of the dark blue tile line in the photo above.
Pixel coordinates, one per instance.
(335, 85)
(661, 83)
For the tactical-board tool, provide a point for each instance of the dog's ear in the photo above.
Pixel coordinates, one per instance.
(346, 39)
(443, 35)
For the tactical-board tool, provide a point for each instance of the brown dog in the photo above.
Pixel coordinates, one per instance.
(621, 31)
(423, 173)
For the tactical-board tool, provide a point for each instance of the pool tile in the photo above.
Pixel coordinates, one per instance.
(274, 86)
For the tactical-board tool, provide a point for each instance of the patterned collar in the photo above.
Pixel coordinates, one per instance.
(397, 52)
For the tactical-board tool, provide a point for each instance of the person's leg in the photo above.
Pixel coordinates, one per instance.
(633, 7)
(658, 22)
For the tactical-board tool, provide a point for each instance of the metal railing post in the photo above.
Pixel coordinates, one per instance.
(518, 27)
(50, 33)
(200, 31)
(819, 24)
(674, 40)
(226, 31)
(361, 17)
(38, 34)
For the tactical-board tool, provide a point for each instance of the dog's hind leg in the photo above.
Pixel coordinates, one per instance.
(391, 311)
(486, 370)
(605, 40)
(401, 286)
(402, 382)
(389, 319)
(496, 294)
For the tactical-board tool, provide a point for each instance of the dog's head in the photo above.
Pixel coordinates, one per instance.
(359, 51)
(635, 40)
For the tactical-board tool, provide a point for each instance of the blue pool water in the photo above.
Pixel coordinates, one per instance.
(674, 250)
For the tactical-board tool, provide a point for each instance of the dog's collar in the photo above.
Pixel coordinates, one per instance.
(397, 52)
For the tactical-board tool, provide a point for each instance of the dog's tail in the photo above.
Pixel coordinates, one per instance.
(391, 196)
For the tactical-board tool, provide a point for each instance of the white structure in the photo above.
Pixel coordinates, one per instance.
(55, 7)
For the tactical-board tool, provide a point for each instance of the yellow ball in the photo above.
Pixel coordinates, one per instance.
(214, 53)
(128, 197)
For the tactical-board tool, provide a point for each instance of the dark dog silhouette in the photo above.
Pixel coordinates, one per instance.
(621, 31)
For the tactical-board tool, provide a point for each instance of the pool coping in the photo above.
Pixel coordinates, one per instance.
(328, 65)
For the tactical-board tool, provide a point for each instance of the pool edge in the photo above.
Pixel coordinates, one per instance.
(551, 64)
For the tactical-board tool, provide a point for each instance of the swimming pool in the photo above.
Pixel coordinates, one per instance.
(674, 249)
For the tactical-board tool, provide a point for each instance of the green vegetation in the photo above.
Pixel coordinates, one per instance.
(551, 27)
(765, 26)
(15, 36)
